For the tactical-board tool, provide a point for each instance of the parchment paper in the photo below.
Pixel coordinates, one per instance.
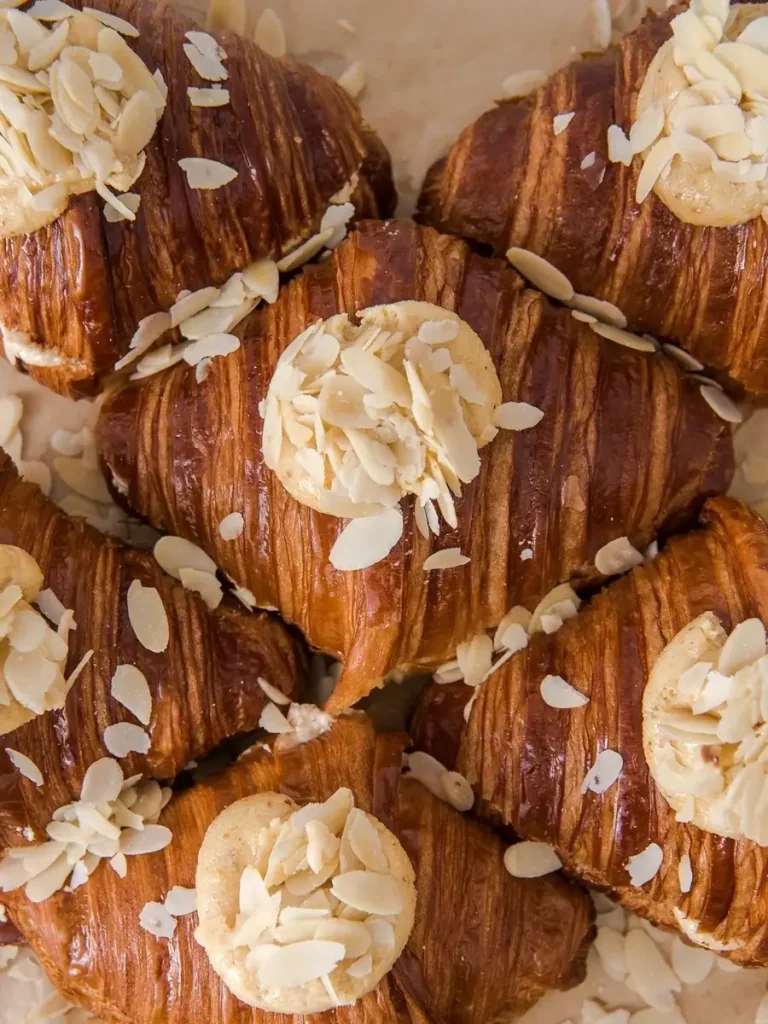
(432, 66)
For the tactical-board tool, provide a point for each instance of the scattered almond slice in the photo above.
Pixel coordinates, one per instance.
(721, 404)
(604, 772)
(517, 416)
(124, 738)
(206, 174)
(273, 720)
(541, 273)
(561, 121)
(112, 21)
(557, 693)
(619, 147)
(148, 617)
(155, 919)
(231, 526)
(203, 583)
(180, 901)
(531, 860)
(364, 542)
(644, 866)
(207, 66)
(208, 97)
(25, 765)
(130, 688)
(448, 558)
(272, 692)
(617, 556)
(175, 553)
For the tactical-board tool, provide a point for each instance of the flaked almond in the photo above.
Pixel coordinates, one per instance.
(366, 541)
(273, 720)
(206, 174)
(269, 33)
(644, 866)
(124, 738)
(617, 556)
(25, 765)
(517, 416)
(541, 273)
(557, 693)
(208, 97)
(448, 558)
(130, 688)
(604, 772)
(531, 860)
(147, 616)
(175, 553)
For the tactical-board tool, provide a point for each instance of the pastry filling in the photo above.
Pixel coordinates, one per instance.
(77, 108)
(705, 727)
(302, 908)
(702, 116)
(362, 411)
(32, 654)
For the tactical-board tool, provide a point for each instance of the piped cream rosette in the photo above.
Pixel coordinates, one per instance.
(705, 727)
(302, 908)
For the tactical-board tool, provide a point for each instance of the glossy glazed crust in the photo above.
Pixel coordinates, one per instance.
(485, 946)
(508, 180)
(295, 138)
(204, 686)
(634, 436)
(528, 760)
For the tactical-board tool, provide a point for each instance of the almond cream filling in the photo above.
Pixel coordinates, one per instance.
(702, 116)
(705, 727)
(302, 909)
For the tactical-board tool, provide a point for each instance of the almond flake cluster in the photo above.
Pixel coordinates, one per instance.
(358, 416)
(474, 661)
(77, 108)
(32, 654)
(714, 757)
(720, 122)
(320, 897)
(114, 818)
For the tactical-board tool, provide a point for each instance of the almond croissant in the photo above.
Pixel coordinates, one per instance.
(79, 286)
(528, 760)
(204, 685)
(510, 180)
(626, 445)
(485, 946)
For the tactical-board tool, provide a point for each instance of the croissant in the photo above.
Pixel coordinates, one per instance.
(511, 180)
(528, 760)
(514, 939)
(626, 447)
(76, 288)
(204, 686)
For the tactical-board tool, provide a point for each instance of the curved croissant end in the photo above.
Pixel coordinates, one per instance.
(80, 286)
(623, 430)
(204, 685)
(525, 936)
(528, 760)
(587, 222)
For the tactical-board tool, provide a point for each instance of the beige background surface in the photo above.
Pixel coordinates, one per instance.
(432, 66)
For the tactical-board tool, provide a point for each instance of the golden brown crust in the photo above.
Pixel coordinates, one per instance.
(636, 436)
(204, 687)
(295, 138)
(485, 946)
(528, 760)
(508, 180)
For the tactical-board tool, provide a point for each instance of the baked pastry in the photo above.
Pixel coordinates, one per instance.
(554, 173)
(621, 822)
(75, 284)
(534, 938)
(623, 445)
(199, 690)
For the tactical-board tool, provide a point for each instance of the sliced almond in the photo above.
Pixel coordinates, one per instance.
(206, 174)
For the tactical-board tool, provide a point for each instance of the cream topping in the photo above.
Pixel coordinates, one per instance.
(302, 908)
(702, 116)
(77, 109)
(705, 727)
